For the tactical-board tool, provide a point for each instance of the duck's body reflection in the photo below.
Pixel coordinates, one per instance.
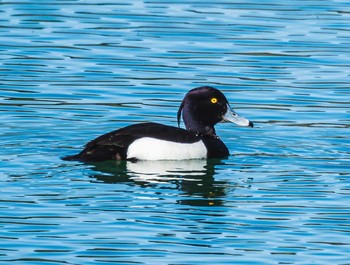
(193, 178)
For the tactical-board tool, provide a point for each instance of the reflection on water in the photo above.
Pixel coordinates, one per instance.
(73, 70)
(193, 178)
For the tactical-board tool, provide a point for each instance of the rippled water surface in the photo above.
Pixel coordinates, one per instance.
(72, 70)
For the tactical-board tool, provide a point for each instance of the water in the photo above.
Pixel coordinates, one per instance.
(72, 70)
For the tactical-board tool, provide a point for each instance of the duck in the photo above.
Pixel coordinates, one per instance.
(201, 109)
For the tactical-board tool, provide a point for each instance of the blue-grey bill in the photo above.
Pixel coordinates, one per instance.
(232, 116)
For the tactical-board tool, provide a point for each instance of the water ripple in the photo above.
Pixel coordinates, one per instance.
(74, 70)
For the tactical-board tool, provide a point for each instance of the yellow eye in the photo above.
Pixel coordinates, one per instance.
(214, 100)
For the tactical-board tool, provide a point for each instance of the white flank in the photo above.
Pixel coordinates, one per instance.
(147, 148)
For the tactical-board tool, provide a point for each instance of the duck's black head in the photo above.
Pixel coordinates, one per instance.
(205, 106)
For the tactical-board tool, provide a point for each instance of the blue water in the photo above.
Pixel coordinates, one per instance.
(72, 70)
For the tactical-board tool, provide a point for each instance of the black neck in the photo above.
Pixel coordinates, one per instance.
(198, 127)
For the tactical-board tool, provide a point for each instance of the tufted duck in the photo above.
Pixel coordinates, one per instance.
(201, 109)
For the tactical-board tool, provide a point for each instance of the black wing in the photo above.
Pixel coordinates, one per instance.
(114, 145)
